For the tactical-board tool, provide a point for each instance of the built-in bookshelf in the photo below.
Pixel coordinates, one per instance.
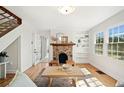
(80, 50)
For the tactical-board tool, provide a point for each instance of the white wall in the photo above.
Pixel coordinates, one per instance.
(12, 52)
(7, 39)
(26, 45)
(112, 67)
(24, 31)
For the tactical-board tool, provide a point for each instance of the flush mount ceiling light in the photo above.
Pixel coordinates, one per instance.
(66, 10)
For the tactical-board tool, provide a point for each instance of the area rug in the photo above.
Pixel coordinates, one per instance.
(57, 82)
(87, 81)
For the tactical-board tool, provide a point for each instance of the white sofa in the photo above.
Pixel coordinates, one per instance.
(21, 80)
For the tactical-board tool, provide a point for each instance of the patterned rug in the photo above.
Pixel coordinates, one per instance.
(57, 82)
(87, 81)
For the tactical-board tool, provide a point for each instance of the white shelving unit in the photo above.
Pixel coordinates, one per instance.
(3, 69)
(80, 50)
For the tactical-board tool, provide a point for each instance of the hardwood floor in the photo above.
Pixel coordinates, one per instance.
(34, 71)
(104, 78)
(5, 82)
(31, 72)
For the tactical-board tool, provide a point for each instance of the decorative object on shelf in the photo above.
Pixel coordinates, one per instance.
(3, 56)
(58, 37)
(64, 39)
(82, 45)
(65, 10)
(54, 39)
(82, 40)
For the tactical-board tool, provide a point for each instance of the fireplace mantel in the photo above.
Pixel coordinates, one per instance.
(62, 44)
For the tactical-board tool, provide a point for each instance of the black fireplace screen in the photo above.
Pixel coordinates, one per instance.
(63, 58)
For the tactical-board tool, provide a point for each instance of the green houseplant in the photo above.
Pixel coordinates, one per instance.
(3, 56)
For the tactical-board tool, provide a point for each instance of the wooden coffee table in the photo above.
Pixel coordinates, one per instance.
(57, 72)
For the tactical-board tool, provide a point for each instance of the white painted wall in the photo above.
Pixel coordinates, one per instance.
(24, 31)
(7, 39)
(26, 45)
(112, 67)
(12, 52)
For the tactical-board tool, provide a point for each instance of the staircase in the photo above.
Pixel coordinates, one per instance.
(8, 21)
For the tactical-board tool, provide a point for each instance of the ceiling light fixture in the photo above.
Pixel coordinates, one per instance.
(66, 10)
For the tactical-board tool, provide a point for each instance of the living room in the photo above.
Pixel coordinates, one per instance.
(94, 44)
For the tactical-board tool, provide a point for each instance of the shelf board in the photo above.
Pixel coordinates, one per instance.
(62, 44)
(1, 63)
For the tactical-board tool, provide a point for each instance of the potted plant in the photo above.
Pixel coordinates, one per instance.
(3, 56)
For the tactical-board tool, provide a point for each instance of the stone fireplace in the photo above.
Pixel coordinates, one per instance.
(59, 48)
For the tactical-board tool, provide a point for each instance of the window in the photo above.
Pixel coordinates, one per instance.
(116, 42)
(99, 43)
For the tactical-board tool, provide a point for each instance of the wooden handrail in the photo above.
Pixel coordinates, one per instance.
(8, 21)
(12, 14)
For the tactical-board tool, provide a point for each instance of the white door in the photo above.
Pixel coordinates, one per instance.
(35, 48)
(40, 46)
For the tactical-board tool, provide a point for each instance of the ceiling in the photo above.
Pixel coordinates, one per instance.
(48, 17)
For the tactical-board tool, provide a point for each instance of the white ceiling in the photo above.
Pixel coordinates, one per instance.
(48, 17)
